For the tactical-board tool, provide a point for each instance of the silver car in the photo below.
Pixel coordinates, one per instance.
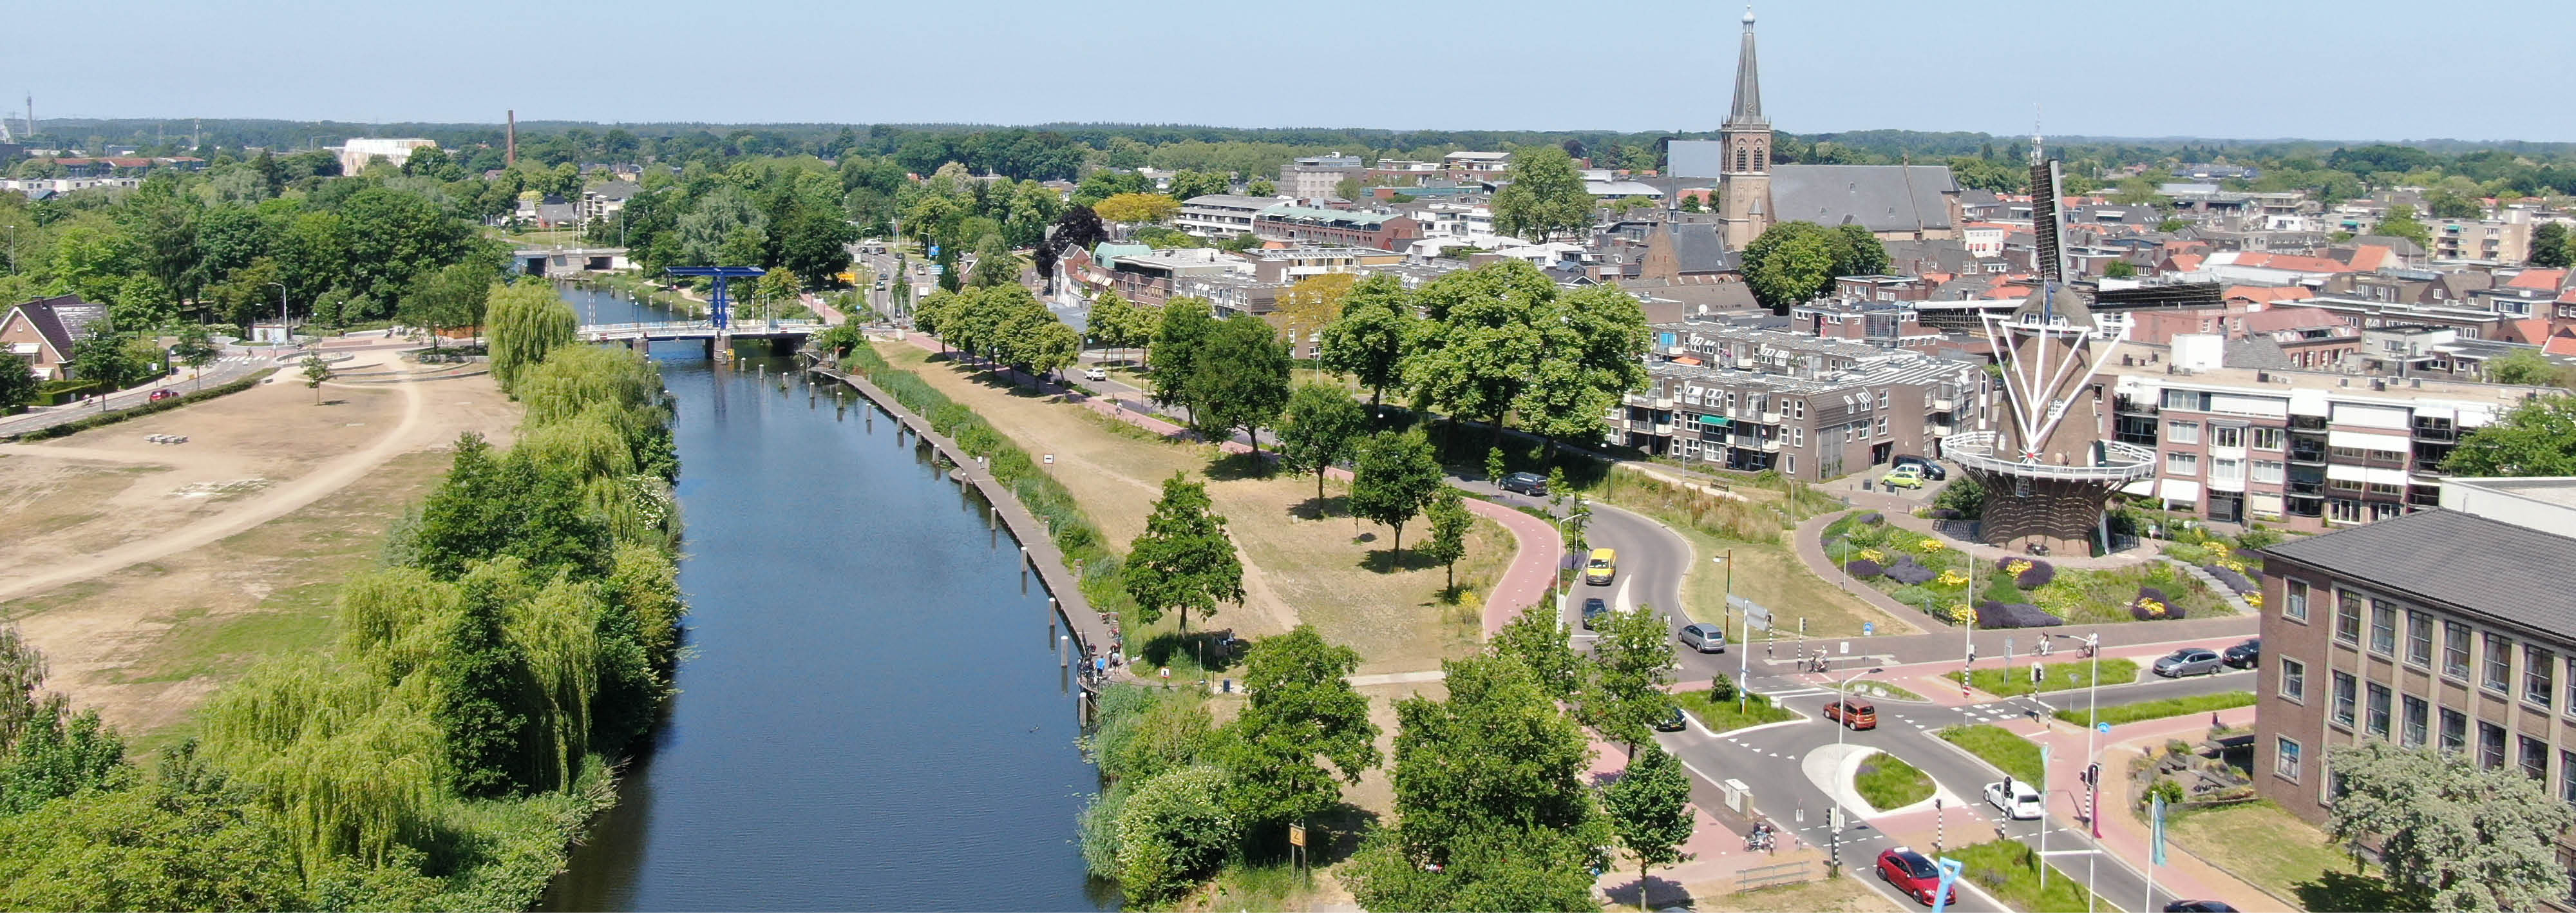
(1704, 638)
(2188, 661)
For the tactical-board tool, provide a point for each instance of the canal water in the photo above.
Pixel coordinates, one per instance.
(871, 716)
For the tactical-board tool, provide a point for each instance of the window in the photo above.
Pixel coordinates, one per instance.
(2267, 438)
(2535, 758)
(2272, 471)
(2285, 762)
(2490, 745)
(2182, 432)
(1882, 399)
(2499, 665)
(2455, 650)
(2419, 639)
(2455, 731)
(1882, 426)
(1797, 408)
(2417, 719)
(2347, 617)
(2223, 469)
(2294, 600)
(2342, 511)
(2184, 399)
(2344, 693)
(1797, 437)
(2227, 435)
(2383, 627)
(2379, 709)
(2182, 464)
(2567, 776)
(2539, 676)
(2294, 680)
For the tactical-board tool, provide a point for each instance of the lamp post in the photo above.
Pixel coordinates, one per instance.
(1842, 690)
(284, 335)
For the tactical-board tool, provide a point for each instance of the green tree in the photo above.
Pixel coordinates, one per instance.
(1320, 427)
(1261, 187)
(814, 243)
(1174, 831)
(1857, 252)
(1449, 524)
(1497, 756)
(1396, 477)
(1182, 332)
(1187, 184)
(315, 371)
(1649, 808)
(1372, 337)
(1114, 323)
(2522, 366)
(2120, 269)
(1790, 264)
(1540, 642)
(1301, 713)
(1183, 560)
(2550, 247)
(994, 264)
(1495, 465)
(1545, 196)
(1239, 380)
(2472, 838)
(1487, 331)
(18, 383)
(195, 348)
(1137, 208)
(2446, 204)
(779, 288)
(2400, 222)
(107, 358)
(526, 320)
(481, 684)
(1632, 663)
(2537, 438)
(1594, 356)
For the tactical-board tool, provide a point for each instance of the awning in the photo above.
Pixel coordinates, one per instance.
(1718, 420)
(2362, 440)
(2397, 477)
(2141, 487)
(2347, 473)
(2184, 490)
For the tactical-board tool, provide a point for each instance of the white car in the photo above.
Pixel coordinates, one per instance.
(2016, 799)
(1094, 374)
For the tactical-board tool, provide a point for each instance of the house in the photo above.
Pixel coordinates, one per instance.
(607, 199)
(1310, 226)
(1316, 177)
(43, 332)
(1220, 215)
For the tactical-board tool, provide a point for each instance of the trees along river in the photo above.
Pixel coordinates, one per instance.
(868, 717)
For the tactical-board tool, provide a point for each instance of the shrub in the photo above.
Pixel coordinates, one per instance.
(2035, 575)
(1872, 518)
(2258, 538)
(1173, 832)
(1863, 569)
(1915, 596)
(1721, 688)
(2229, 576)
(1940, 513)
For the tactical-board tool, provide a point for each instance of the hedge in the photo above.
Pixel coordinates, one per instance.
(77, 426)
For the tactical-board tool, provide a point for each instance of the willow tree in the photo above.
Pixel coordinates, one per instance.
(524, 321)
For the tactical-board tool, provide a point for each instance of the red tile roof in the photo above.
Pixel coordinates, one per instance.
(2563, 343)
(2369, 257)
(2268, 294)
(2529, 331)
(2549, 279)
(2293, 318)
(2185, 262)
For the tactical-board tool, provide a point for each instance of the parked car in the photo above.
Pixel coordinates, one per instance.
(1672, 720)
(161, 394)
(1907, 477)
(2246, 655)
(2017, 799)
(1704, 638)
(1525, 483)
(2188, 661)
(1911, 873)
(1853, 712)
(1594, 608)
(1924, 466)
(2199, 906)
(1095, 374)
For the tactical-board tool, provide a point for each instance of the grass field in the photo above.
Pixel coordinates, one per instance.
(2009, 753)
(2264, 845)
(1722, 716)
(2010, 871)
(2118, 714)
(2057, 676)
(1831, 895)
(1890, 783)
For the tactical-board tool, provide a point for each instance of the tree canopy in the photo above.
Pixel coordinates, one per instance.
(2537, 438)
(1183, 560)
(1545, 196)
(1397, 475)
(2470, 838)
(1321, 426)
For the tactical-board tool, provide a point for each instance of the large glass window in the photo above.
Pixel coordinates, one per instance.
(2418, 721)
(2182, 464)
(2285, 763)
(2419, 638)
(2490, 745)
(2498, 675)
(2182, 432)
(2378, 721)
(2455, 730)
(2383, 628)
(2267, 438)
(2346, 694)
(2348, 617)
(2567, 776)
(2226, 436)
(2455, 650)
(2535, 758)
(2271, 471)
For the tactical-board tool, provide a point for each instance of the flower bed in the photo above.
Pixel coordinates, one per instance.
(1926, 573)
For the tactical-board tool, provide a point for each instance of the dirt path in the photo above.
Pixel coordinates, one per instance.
(324, 480)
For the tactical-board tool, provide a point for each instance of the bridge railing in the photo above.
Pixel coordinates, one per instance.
(604, 330)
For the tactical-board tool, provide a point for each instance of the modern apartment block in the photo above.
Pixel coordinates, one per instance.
(2305, 451)
(1303, 225)
(2441, 628)
(1811, 408)
(1220, 215)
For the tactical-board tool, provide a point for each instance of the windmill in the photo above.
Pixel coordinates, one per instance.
(2050, 467)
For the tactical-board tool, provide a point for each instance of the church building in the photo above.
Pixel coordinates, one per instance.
(1895, 202)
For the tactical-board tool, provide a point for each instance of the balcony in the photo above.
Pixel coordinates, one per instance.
(1771, 446)
(2300, 455)
(1663, 429)
(1661, 402)
(2436, 434)
(2312, 489)
(1943, 403)
(1770, 417)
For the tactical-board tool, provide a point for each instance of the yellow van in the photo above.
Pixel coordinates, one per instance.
(1603, 565)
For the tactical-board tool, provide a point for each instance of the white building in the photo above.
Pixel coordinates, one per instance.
(1220, 215)
(359, 152)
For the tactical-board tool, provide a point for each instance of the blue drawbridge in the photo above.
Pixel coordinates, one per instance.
(719, 304)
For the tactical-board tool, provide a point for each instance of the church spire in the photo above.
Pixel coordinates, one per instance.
(1748, 80)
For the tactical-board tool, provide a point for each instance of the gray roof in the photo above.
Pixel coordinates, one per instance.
(2464, 560)
(1877, 197)
(1699, 247)
(1231, 201)
(615, 190)
(63, 319)
(2256, 352)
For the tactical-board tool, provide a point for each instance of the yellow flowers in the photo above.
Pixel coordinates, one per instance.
(2232, 564)
(2016, 566)
(2254, 599)
(1931, 545)
(1953, 578)
(2216, 547)
(1957, 614)
(1871, 554)
(2153, 608)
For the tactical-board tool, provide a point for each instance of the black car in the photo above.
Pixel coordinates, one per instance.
(1525, 483)
(2246, 655)
(1931, 471)
(1594, 608)
(1672, 720)
(2199, 906)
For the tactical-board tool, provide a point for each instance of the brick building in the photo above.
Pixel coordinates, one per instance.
(1814, 409)
(1303, 225)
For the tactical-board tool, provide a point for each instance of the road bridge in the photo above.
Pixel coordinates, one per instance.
(707, 333)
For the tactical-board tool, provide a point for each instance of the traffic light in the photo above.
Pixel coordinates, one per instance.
(2093, 774)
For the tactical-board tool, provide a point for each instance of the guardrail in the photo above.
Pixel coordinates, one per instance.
(2122, 462)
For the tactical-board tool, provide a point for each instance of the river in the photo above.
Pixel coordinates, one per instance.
(870, 714)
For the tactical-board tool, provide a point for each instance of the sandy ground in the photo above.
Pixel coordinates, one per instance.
(1332, 572)
(150, 572)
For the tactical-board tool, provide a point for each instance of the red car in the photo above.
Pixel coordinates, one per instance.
(1912, 873)
(162, 394)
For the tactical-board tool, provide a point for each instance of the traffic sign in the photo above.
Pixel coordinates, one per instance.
(2102, 727)
(934, 250)
(1868, 628)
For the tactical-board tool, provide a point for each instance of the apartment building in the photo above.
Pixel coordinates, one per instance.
(1469, 165)
(1318, 177)
(2504, 239)
(2439, 628)
(2306, 451)
(1310, 226)
(1813, 409)
(1883, 323)
(1220, 215)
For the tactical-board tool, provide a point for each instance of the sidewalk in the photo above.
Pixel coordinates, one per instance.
(2123, 835)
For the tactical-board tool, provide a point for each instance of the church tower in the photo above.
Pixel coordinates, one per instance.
(1746, 174)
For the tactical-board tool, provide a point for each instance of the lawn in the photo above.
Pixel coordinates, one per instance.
(2012, 754)
(2078, 596)
(2268, 847)
(1884, 690)
(1890, 783)
(2055, 676)
(2118, 714)
(1827, 895)
(2010, 869)
(1722, 716)
(1767, 570)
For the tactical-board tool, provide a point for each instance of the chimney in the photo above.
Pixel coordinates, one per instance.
(510, 149)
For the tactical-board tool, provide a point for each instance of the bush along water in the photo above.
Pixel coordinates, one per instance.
(463, 726)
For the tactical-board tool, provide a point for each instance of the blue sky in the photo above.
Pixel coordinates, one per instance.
(2376, 69)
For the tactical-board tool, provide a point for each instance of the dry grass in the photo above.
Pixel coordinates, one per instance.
(2260, 843)
(1333, 573)
(1770, 574)
(1833, 895)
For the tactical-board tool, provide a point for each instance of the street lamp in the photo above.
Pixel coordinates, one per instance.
(283, 334)
(2092, 724)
